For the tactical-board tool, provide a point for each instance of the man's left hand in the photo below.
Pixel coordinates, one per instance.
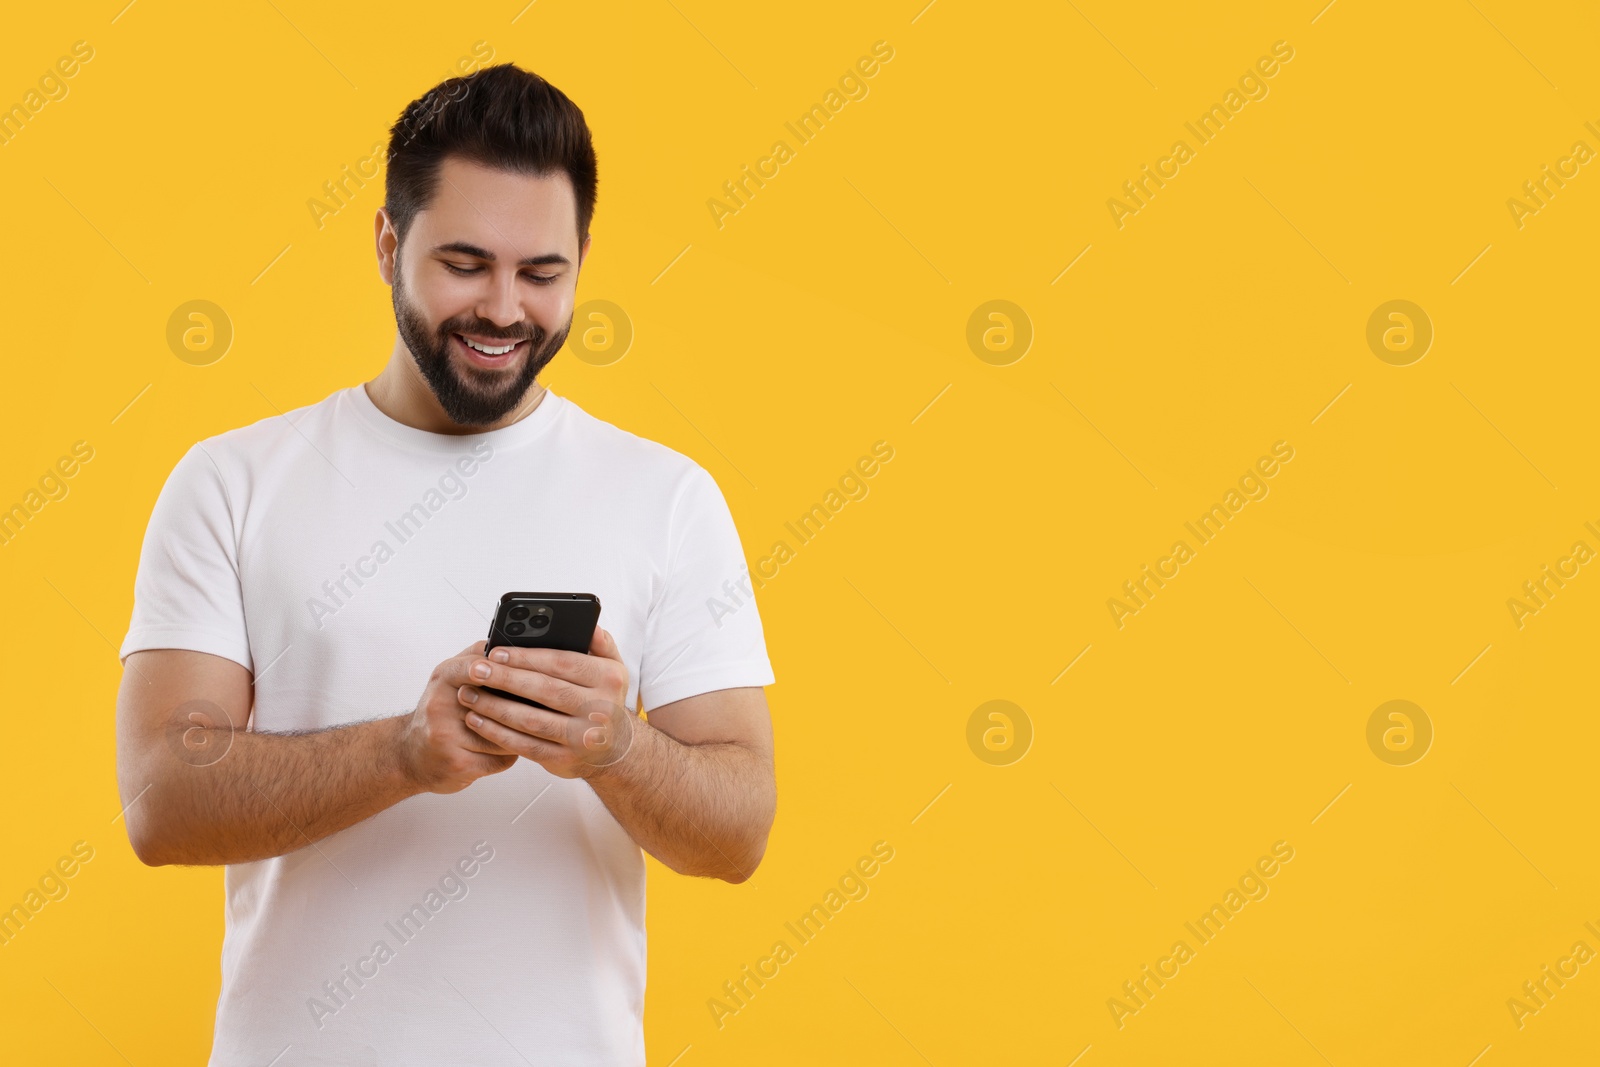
(587, 730)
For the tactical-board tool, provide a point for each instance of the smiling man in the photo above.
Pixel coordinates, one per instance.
(298, 704)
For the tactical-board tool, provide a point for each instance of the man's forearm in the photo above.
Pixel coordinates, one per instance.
(700, 809)
(269, 794)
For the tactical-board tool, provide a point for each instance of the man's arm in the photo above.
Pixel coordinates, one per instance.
(696, 790)
(201, 789)
(693, 786)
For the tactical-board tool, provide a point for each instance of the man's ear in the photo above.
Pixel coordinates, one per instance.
(583, 253)
(387, 244)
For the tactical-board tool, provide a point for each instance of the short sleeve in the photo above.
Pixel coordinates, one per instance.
(703, 632)
(187, 592)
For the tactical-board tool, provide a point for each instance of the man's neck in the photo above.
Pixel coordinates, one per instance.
(402, 393)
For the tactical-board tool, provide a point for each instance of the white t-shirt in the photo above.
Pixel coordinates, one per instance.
(339, 556)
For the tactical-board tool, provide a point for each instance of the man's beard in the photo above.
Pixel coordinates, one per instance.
(483, 396)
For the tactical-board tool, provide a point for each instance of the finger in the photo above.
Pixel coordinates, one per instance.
(575, 667)
(512, 740)
(535, 722)
(604, 645)
(555, 693)
(473, 741)
(476, 742)
(606, 656)
(477, 671)
(456, 666)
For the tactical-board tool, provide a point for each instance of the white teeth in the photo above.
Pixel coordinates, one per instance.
(486, 350)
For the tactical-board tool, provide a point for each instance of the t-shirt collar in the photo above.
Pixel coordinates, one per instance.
(521, 432)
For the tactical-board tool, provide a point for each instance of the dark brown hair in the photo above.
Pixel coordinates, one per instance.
(500, 116)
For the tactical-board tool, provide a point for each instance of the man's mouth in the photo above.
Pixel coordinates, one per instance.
(486, 352)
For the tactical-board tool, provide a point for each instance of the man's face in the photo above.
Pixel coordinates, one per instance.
(492, 260)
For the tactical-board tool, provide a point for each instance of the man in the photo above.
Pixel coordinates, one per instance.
(418, 871)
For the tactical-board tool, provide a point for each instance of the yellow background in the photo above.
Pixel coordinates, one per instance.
(826, 315)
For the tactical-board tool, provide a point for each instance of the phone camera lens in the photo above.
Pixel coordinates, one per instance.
(518, 612)
(515, 628)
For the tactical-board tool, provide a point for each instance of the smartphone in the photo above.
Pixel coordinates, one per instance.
(543, 620)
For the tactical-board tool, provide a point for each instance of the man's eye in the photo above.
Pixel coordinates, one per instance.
(537, 279)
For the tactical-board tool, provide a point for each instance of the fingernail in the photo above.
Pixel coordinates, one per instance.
(469, 695)
(480, 670)
(500, 656)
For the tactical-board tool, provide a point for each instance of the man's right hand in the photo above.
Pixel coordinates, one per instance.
(440, 753)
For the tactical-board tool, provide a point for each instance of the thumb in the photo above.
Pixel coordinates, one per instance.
(604, 645)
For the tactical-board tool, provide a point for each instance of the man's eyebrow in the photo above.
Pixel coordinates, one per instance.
(466, 249)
